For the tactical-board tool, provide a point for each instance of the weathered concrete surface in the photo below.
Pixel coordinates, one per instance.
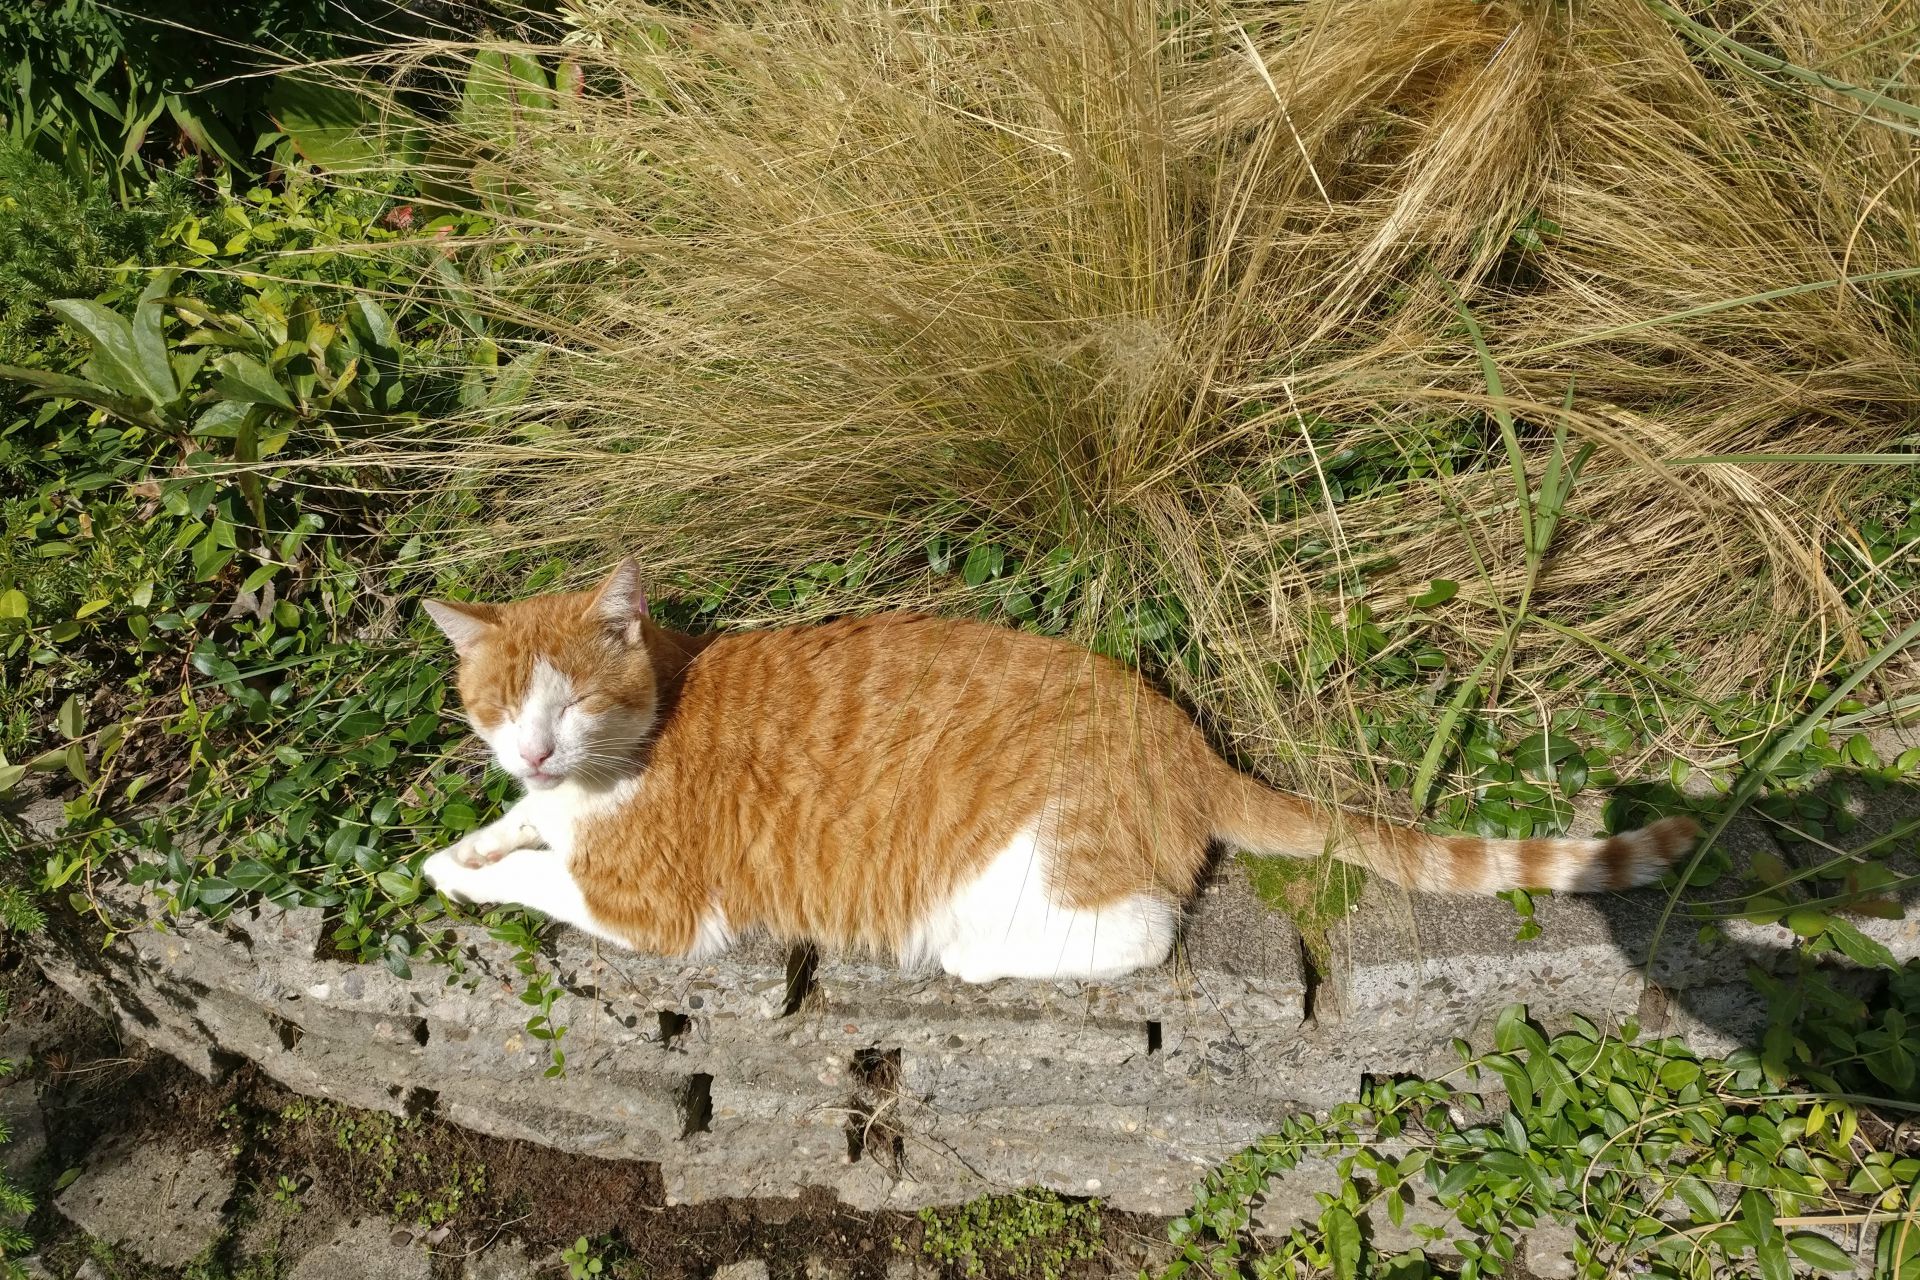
(165, 1205)
(362, 1250)
(505, 1259)
(899, 1091)
(1417, 960)
(20, 1112)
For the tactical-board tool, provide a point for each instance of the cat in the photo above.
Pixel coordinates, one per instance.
(995, 803)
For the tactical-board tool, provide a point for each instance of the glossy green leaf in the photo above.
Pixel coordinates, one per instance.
(72, 716)
(1820, 1253)
(246, 380)
(399, 886)
(1343, 1242)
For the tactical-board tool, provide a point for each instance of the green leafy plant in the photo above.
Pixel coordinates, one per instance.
(1606, 1132)
(111, 93)
(1032, 1234)
(583, 1260)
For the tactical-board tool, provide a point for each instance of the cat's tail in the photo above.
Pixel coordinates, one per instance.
(1261, 820)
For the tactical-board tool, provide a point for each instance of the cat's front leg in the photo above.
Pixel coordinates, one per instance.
(509, 833)
(538, 879)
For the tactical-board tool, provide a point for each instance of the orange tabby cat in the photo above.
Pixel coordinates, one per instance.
(999, 803)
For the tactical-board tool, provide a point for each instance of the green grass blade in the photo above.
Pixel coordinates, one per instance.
(1744, 56)
(1509, 436)
(1443, 732)
(1725, 304)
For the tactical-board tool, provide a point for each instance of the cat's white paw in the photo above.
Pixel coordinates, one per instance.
(447, 873)
(475, 850)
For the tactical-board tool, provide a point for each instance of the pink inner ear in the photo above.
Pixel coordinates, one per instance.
(622, 598)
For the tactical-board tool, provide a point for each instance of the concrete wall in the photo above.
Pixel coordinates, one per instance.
(748, 1077)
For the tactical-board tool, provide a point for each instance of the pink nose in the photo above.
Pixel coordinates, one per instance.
(536, 756)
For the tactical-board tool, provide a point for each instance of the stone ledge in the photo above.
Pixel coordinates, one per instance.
(1422, 959)
(901, 1091)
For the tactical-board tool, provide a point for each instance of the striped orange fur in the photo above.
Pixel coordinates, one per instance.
(886, 783)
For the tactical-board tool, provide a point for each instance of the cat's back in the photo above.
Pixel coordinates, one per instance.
(876, 681)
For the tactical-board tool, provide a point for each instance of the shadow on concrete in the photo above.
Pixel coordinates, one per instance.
(1814, 885)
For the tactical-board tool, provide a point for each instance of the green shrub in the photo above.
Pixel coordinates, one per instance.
(1611, 1133)
(62, 237)
(115, 95)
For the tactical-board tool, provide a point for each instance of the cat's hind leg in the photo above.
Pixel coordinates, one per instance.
(1007, 923)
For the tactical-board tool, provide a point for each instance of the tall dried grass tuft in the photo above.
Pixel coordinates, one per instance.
(1187, 290)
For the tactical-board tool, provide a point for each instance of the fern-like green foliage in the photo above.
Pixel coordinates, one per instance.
(61, 238)
(19, 912)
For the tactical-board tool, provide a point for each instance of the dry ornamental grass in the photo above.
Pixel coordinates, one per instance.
(1249, 315)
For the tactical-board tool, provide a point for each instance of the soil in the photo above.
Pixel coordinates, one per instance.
(302, 1162)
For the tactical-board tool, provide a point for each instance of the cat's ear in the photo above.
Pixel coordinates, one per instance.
(621, 602)
(465, 624)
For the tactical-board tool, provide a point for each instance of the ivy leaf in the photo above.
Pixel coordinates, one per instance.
(1769, 868)
(1769, 1246)
(1858, 947)
(399, 886)
(1820, 1253)
(1809, 922)
(1541, 753)
(1506, 1033)
(1343, 1241)
(1698, 1199)
(1573, 777)
(214, 890)
(396, 958)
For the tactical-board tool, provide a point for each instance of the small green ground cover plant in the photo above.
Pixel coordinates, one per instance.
(1032, 1235)
(1667, 1164)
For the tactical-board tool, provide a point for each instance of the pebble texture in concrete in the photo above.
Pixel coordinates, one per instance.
(755, 1075)
(164, 1204)
(506, 1259)
(363, 1250)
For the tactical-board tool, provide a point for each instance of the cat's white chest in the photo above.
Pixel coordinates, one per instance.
(558, 812)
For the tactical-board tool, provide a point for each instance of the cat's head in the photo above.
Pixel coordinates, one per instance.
(560, 686)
